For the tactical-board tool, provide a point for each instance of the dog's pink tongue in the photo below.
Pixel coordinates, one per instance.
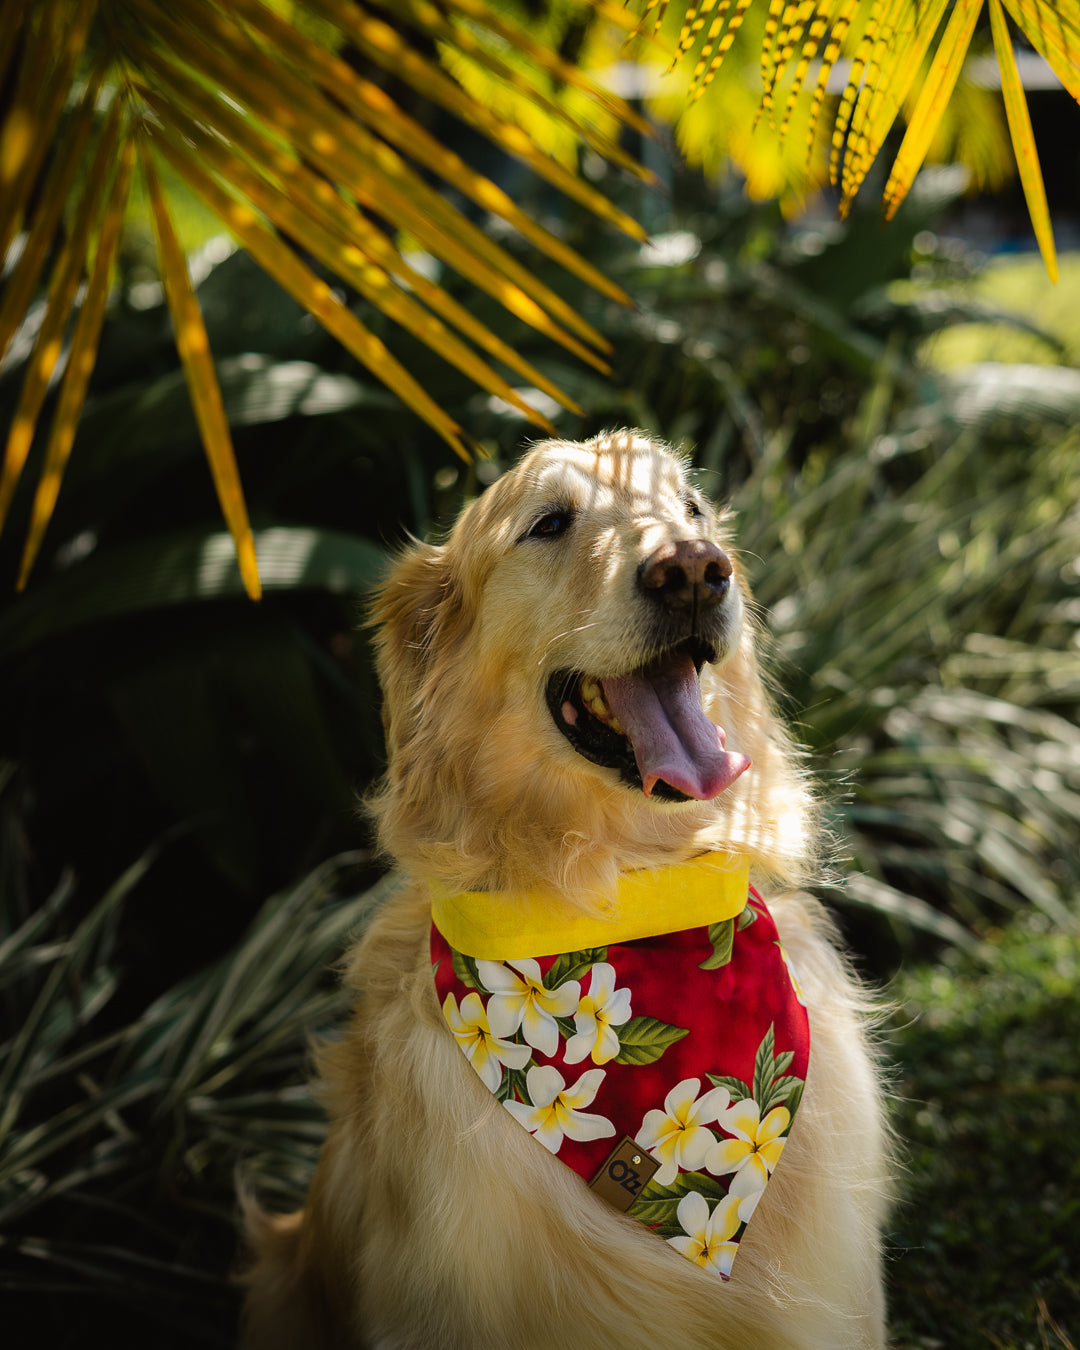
(660, 710)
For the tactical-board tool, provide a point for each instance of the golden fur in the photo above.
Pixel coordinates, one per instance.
(433, 1219)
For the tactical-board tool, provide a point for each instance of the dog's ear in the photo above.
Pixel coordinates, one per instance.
(406, 604)
(417, 607)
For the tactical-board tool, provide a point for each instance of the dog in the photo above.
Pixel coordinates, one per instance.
(575, 718)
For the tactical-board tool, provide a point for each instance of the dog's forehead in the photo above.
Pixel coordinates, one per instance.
(636, 472)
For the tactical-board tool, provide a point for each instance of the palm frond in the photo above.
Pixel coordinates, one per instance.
(302, 154)
(63, 287)
(898, 53)
(1023, 138)
(292, 132)
(930, 105)
(194, 348)
(80, 363)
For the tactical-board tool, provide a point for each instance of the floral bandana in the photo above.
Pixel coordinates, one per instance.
(664, 1065)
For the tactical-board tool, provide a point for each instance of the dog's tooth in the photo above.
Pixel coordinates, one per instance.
(593, 698)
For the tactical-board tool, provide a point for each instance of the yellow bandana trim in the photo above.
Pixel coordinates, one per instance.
(502, 926)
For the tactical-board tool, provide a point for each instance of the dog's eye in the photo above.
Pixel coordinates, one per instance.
(551, 525)
(692, 508)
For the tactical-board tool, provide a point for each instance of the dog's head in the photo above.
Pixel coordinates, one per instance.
(570, 682)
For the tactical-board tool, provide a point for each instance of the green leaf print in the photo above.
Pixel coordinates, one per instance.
(780, 1092)
(512, 1087)
(793, 1096)
(764, 1072)
(736, 1087)
(773, 1085)
(573, 966)
(658, 1206)
(465, 970)
(781, 1063)
(722, 937)
(643, 1040)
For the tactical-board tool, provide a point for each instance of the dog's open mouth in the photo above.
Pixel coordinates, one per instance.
(649, 725)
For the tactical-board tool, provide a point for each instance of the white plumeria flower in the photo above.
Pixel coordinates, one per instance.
(519, 998)
(554, 1110)
(485, 1052)
(676, 1136)
(754, 1151)
(601, 1010)
(708, 1236)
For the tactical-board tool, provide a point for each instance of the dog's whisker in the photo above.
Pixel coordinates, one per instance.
(561, 637)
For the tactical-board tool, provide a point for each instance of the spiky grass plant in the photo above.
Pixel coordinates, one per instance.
(923, 591)
(121, 1134)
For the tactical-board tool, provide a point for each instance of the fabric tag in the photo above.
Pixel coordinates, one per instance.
(625, 1173)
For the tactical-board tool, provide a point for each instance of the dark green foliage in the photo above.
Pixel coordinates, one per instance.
(121, 1135)
(984, 1249)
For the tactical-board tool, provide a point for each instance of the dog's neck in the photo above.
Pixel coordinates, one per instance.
(501, 925)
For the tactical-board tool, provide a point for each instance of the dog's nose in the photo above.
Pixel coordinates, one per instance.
(693, 572)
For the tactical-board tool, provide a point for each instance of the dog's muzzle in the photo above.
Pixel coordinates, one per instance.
(648, 723)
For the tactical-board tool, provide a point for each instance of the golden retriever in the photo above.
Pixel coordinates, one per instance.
(572, 696)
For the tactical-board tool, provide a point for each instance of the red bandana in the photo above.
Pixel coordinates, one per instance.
(678, 1056)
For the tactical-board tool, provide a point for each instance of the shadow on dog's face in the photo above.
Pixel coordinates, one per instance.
(551, 661)
(610, 584)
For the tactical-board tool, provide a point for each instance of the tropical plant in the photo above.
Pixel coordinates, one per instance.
(306, 137)
(919, 591)
(122, 1122)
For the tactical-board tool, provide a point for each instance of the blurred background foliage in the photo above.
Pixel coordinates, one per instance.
(894, 421)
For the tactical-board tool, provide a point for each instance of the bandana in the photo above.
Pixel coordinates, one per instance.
(662, 1063)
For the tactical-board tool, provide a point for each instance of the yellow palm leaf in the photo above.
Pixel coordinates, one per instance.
(899, 59)
(313, 293)
(373, 172)
(463, 37)
(898, 55)
(340, 253)
(1023, 139)
(307, 191)
(41, 230)
(373, 106)
(321, 151)
(386, 48)
(1054, 32)
(829, 34)
(80, 364)
(940, 82)
(194, 347)
(63, 286)
(53, 48)
(718, 41)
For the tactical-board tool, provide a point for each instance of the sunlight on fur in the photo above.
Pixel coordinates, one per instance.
(591, 584)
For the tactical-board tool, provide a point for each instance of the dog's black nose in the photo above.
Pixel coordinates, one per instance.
(692, 573)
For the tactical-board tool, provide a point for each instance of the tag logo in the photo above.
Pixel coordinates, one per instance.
(625, 1173)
